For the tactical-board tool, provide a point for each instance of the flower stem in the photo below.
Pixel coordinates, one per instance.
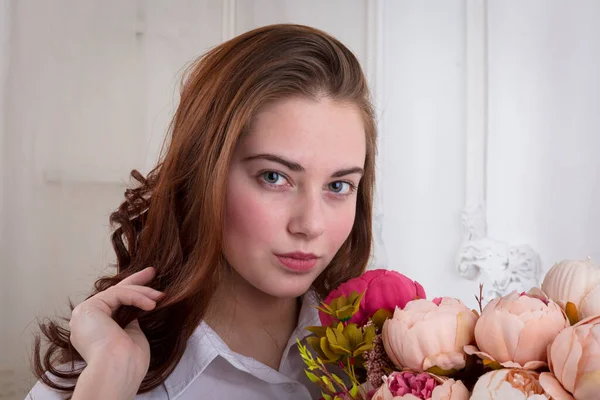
(349, 370)
(325, 372)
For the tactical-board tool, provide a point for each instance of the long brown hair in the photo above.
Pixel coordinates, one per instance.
(173, 219)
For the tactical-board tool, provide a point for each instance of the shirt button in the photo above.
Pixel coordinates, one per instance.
(290, 387)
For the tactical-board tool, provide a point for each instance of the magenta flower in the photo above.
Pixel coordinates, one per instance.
(420, 386)
(383, 289)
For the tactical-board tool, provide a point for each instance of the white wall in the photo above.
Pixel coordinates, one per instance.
(171, 35)
(73, 129)
(422, 129)
(544, 169)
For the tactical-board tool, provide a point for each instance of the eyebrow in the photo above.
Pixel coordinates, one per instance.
(348, 171)
(294, 166)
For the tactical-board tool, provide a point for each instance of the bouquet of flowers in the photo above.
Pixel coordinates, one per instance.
(382, 339)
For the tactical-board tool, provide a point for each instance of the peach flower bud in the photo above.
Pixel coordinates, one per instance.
(577, 282)
(505, 384)
(420, 386)
(450, 390)
(515, 330)
(428, 334)
(574, 359)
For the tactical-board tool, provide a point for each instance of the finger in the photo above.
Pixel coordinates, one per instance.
(146, 291)
(115, 297)
(133, 326)
(139, 278)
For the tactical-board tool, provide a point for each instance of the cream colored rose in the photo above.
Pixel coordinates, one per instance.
(577, 282)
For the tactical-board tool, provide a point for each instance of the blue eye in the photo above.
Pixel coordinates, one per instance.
(272, 177)
(340, 187)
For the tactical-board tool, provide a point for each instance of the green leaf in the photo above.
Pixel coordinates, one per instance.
(358, 299)
(353, 296)
(315, 343)
(339, 381)
(380, 317)
(442, 372)
(328, 383)
(352, 306)
(326, 396)
(354, 390)
(340, 339)
(320, 331)
(313, 378)
(358, 351)
(354, 335)
(330, 354)
(369, 333)
(326, 309)
(338, 302)
(345, 313)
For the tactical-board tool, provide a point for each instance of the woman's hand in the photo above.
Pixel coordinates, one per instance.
(114, 356)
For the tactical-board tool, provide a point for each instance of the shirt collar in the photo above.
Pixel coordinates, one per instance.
(205, 345)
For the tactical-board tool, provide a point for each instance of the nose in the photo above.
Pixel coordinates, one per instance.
(307, 217)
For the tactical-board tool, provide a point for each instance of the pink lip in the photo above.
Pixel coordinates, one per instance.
(298, 261)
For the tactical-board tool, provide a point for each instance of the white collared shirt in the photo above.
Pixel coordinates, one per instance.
(209, 370)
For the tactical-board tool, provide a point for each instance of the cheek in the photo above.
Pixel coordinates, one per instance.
(248, 219)
(340, 225)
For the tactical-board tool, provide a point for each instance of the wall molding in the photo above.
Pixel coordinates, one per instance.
(228, 13)
(374, 72)
(500, 266)
(374, 35)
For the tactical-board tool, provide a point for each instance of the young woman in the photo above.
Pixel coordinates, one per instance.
(261, 204)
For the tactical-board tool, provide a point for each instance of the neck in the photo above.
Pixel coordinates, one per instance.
(251, 322)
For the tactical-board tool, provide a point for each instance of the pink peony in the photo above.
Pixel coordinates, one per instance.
(574, 359)
(516, 329)
(510, 384)
(420, 385)
(384, 289)
(430, 334)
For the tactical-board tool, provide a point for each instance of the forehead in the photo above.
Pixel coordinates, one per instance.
(321, 133)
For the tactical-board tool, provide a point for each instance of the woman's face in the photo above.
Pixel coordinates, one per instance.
(291, 193)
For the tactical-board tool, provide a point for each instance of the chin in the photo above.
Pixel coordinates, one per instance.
(283, 285)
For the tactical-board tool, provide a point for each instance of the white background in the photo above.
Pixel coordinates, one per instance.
(88, 87)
